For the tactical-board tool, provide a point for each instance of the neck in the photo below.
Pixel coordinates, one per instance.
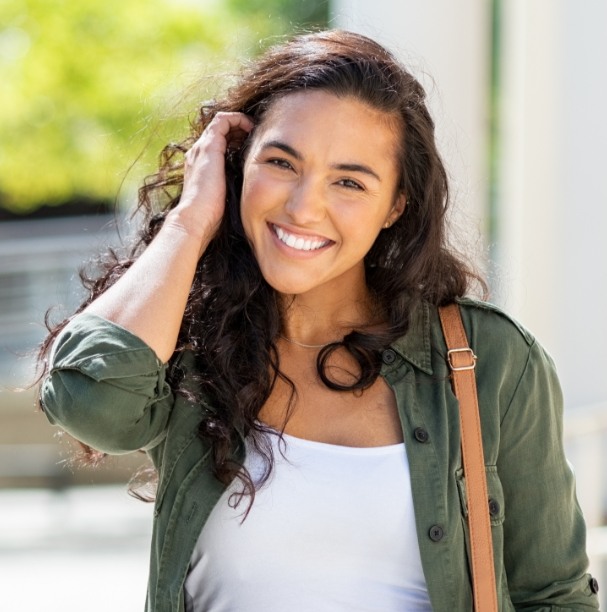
(316, 320)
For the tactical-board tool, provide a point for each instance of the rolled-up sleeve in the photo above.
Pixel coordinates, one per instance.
(106, 387)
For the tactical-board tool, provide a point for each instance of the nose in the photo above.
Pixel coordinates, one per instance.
(305, 205)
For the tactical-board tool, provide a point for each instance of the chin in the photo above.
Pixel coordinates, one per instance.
(288, 286)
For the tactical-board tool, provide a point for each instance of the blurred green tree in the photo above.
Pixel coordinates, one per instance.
(293, 14)
(88, 86)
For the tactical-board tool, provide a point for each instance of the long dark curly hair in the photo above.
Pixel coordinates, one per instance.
(233, 319)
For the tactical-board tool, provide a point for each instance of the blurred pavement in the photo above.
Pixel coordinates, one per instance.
(83, 548)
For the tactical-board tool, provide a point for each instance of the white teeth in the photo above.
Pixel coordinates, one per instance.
(300, 244)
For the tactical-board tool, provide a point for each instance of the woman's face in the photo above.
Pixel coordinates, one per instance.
(320, 183)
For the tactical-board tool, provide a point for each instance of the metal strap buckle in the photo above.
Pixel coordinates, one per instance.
(470, 366)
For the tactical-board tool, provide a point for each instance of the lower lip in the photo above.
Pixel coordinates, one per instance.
(291, 252)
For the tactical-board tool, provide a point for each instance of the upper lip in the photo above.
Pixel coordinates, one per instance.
(302, 233)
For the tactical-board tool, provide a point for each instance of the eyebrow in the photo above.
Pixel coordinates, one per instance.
(289, 150)
(357, 168)
(277, 144)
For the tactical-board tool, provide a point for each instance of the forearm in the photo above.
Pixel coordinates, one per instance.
(150, 298)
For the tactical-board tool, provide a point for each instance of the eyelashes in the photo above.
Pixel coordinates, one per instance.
(351, 184)
(284, 164)
(280, 163)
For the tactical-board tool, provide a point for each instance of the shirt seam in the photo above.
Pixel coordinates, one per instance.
(519, 382)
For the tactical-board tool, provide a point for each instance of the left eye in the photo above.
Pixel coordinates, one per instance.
(350, 184)
(280, 163)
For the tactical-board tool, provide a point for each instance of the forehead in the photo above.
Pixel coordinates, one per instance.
(336, 123)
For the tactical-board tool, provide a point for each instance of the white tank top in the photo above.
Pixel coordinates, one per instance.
(332, 530)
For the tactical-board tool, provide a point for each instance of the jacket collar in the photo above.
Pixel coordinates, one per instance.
(415, 346)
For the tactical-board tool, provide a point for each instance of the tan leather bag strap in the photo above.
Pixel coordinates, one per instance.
(462, 362)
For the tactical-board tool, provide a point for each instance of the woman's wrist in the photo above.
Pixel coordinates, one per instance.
(187, 225)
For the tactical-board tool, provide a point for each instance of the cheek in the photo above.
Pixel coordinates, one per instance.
(362, 230)
(249, 200)
(368, 239)
(261, 196)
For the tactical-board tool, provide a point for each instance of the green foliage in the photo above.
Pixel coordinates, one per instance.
(295, 14)
(86, 84)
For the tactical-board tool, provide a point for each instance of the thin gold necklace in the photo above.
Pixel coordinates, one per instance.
(310, 346)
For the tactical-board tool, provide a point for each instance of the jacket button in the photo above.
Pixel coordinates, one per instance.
(421, 435)
(594, 585)
(436, 533)
(388, 356)
(494, 507)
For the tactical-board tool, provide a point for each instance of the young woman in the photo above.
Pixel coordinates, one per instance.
(273, 343)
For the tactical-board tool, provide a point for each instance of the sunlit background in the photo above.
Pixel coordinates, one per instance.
(91, 91)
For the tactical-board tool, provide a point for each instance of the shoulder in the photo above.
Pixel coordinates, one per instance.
(492, 334)
(506, 351)
(509, 356)
(495, 336)
(490, 319)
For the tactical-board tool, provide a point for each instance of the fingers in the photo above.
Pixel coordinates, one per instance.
(204, 181)
(204, 170)
(236, 138)
(226, 131)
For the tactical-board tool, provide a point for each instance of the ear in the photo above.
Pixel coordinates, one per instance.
(398, 208)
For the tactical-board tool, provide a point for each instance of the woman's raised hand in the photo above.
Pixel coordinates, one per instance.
(202, 202)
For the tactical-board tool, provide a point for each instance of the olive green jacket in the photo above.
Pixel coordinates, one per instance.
(108, 389)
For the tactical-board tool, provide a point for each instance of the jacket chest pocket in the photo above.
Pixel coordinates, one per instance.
(495, 495)
(496, 507)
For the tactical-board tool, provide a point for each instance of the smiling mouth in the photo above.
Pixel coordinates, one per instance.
(297, 242)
